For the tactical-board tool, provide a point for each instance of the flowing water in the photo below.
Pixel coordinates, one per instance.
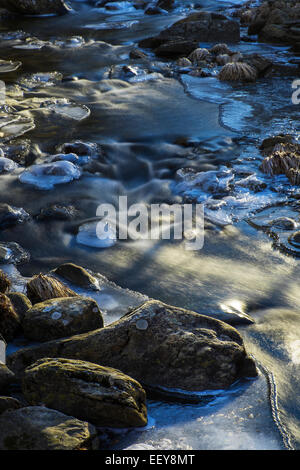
(70, 87)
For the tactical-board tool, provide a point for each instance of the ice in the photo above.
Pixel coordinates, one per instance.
(9, 66)
(7, 165)
(48, 175)
(87, 235)
(39, 80)
(67, 109)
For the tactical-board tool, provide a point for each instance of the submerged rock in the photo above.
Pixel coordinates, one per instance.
(158, 345)
(42, 287)
(4, 283)
(9, 403)
(40, 428)
(100, 395)
(62, 317)
(36, 7)
(77, 275)
(238, 71)
(9, 320)
(12, 253)
(10, 215)
(6, 376)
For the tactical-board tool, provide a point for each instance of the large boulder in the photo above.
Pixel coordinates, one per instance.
(187, 33)
(39, 428)
(9, 319)
(158, 345)
(9, 403)
(6, 377)
(36, 7)
(100, 395)
(62, 317)
(277, 21)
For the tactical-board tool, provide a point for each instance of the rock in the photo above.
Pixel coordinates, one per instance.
(6, 377)
(10, 215)
(184, 62)
(43, 287)
(197, 27)
(62, 317)
(237, 71)
(39, 428)
(165, 4)
(4, 283)
(77, 275)
(58, 212)
(223, 59)
(276, 22)
(100, 395)
(284, 159)
(137, 54)
(20, 303)
(46, 176)
(9, 403)
(9, 320)
(199, 55)
(218, 49)
(261, 64)
(269, 143)
(13, 253)
(36, 7)
(158, 345)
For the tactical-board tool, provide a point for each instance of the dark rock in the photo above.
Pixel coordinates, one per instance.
(165, 4)
(58, 211)
(201, 26)
(13, 253)
(36, 7)
(10, 215)
(77, 275)
(42, 287)
(20, 302)
(9, 403)
(269, 143)
(40, 428)
(137, 54)
(6, 377)
(159, 345)
(9, 320)
(262, 64)
(4, 283)
(62, 317)
(100, 395)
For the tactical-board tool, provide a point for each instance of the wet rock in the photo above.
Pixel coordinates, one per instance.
(261, 64)
(9, 320)
(58, 211)
(42, 287)
(137, 54)
(218, 49)
(166, 4)
(11, 252)
(6, 377)
(276, 21)
(4, 283)
(223, 59)
(100, 395)
(62, 317)
(82, 149)
(184, 62)
(10, 215)
(284, 159)
(283, 223)
(20, 303)
(159, 345)
(36, 7)
(77, 275)
(187, 33)
(40, 428)
(269, 143)
(237, 71)
(199, 55)
(9, 403)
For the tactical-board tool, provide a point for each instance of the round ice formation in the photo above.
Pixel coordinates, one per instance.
(48, 175)
(87, 235)
(7, 165)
